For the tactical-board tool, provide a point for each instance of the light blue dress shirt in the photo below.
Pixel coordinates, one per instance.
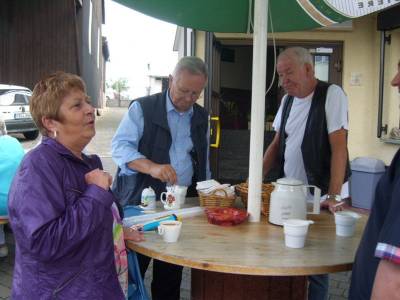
(125, 142)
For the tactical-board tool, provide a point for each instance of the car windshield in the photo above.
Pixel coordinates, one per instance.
(7, 99)
(13, 98)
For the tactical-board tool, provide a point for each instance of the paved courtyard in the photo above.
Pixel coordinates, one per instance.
(106, 125)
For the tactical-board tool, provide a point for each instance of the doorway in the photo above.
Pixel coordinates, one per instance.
(234, 98)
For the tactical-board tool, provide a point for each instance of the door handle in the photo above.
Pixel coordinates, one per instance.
(218, 133)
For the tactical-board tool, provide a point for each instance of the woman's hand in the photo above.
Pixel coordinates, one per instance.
(100, 178)
(133, 234)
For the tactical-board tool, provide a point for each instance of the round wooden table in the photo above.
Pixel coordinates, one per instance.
(224, 260)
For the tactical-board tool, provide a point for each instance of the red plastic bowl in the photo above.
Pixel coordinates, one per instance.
(226, 216)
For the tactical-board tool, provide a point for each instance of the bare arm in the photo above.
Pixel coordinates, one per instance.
(387, 281)
(338, 142)
(165, 173)
(133, 234)
(271, 154)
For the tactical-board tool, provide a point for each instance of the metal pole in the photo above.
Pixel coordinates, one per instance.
(193, 43)
(185, 41)
(381, 83)
(257, 108)
(209, 62)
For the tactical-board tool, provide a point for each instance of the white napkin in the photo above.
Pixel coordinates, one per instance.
(206, 184)
(209, 186)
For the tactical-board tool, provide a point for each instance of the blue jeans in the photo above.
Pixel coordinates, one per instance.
(318, 287)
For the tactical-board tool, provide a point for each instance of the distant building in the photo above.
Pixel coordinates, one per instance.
(184, 42)
(157, 84)
(43, 36)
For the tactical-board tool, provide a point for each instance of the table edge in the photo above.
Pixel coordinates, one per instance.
(238, 269)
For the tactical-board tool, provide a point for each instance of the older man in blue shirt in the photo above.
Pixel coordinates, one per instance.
(164, 139)
(126, 141)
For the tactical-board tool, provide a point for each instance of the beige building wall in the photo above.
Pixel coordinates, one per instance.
(361, 53)
(200, 51)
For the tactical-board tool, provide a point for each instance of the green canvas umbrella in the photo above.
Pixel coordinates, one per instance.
(233, 15)
(252, 16)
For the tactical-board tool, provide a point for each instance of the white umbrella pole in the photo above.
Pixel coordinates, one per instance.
(257, 108)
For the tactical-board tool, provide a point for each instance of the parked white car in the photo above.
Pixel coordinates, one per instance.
(14, 110)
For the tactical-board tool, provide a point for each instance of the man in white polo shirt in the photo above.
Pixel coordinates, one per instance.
(310, 143)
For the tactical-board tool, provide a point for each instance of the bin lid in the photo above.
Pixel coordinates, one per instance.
(367, 164)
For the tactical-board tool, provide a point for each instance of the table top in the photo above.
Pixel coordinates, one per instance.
(255, 248)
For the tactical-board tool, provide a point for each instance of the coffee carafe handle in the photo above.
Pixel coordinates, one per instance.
(316, 199)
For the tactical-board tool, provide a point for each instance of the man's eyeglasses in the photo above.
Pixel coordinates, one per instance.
(191, 94)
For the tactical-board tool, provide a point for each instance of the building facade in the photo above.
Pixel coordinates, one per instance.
(43, 36)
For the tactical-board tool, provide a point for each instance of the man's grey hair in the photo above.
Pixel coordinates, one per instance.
(192, 64)
(300, 54)
(3, 128)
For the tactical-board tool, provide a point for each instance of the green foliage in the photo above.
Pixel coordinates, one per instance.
(120, 85)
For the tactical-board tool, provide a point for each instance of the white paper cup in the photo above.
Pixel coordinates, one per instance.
(170, 230)
(295, 232)
(181, 191)
(346, 222)
(295, 241)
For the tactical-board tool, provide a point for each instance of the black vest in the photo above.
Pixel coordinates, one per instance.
(155, 144)
(315, 147)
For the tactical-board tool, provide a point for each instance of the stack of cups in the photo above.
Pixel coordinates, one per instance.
(296, 232)
(346, 223)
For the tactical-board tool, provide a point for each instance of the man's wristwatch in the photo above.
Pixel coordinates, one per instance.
(337, 198)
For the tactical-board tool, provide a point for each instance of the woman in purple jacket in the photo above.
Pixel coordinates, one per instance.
(60, 206)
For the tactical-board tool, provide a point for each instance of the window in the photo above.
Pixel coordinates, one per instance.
(20, 100)
(321, 65)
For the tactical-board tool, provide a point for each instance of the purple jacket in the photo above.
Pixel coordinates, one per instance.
(62, 228)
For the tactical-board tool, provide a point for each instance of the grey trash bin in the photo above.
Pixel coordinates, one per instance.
(366, 172)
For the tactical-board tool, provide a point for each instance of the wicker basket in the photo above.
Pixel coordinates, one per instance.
(214, 200)
(267, 188)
